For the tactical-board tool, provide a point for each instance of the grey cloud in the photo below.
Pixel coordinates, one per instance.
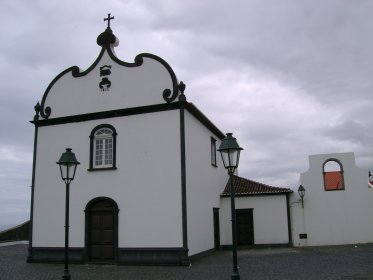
(288, 78)
(350, 130)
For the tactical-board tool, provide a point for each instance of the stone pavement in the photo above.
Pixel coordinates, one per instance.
(319, 263)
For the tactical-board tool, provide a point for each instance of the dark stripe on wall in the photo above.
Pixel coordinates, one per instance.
(256, 194)
(29, 256)
(109, 114)
(129, 256)
(56, 255)
(135, 111)
(257, 246)
(153, 256)
(203, 119)
(289, 220)
(183, 180)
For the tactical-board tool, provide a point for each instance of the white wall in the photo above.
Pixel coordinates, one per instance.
(269, 215)
(130, 87)
(204, 183)
(146, 186)
(334, 217)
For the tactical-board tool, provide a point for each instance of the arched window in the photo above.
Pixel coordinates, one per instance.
(103, 148)
(333, 175)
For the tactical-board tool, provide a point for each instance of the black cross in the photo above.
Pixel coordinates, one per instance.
(108, 20)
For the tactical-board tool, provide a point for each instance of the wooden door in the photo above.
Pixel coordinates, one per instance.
(245, 227)
(102, 232)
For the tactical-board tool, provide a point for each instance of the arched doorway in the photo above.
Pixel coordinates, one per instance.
(101, 230)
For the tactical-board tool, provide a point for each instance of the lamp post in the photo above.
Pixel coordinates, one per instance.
(301, 192)
(230, 154)
(68, 164)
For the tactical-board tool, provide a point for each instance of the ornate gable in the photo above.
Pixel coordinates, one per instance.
(110, 84)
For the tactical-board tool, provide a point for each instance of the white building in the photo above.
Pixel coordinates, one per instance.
(262, 214)
(149, 177)
(338, 206)
(150, 188)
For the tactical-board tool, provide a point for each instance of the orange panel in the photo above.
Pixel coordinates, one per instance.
(333, 181)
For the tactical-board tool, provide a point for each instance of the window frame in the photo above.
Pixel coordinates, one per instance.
(325, 174)
(92, 149)
(213, 152)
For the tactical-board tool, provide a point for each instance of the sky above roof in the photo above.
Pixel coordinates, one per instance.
(288, 78)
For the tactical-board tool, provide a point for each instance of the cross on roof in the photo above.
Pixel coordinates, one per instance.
(108, 20)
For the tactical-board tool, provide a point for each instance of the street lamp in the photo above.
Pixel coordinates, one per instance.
(301, 192)
(68, 164)
(230, 154)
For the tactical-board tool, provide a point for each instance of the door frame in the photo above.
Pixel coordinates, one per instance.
(87, 238)
(249, 211)
(216, 223)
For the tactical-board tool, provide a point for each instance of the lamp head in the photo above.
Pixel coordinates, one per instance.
(68, 164)
(230, 152)
(301, 191)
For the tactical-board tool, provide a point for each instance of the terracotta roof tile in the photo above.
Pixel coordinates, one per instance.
(246, 187)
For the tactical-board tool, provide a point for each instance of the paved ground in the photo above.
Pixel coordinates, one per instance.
(321, 263)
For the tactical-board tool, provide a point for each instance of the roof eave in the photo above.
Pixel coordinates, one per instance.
(257, 194)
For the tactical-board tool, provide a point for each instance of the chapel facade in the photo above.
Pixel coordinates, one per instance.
(150, 187)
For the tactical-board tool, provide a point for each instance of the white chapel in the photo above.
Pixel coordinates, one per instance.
(150, 187)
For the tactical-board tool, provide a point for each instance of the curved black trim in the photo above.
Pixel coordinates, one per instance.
(45, 113)
(88, 212)
(341, 170)
(99, 199)
(75, 72)
(91, 147)
(332, 159)
(169, 95)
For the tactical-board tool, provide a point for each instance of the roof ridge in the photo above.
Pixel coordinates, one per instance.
(259, 183)
(244, 186)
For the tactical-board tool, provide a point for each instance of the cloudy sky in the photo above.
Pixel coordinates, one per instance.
(289, 78)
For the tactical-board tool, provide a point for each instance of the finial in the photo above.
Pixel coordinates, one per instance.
(182, 87)
(37, 111)
(108, 20)
(107, 38)
(37, 108)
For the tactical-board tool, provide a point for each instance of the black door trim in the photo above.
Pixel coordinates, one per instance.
(249, 211)
(216, 229)
(88, 226)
